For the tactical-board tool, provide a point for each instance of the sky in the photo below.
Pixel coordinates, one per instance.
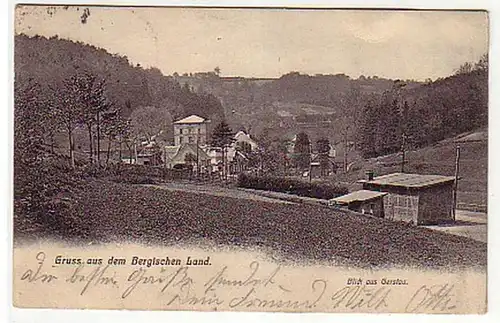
(272, 42)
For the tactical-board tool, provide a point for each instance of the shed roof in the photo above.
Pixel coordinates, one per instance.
(358, 196)
(191, 119)
(409, 180)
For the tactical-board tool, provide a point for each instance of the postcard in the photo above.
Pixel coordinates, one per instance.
(250, 159)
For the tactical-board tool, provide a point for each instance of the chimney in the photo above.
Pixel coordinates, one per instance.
(369, 175)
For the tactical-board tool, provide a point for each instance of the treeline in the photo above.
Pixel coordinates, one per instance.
(50, 61)
(426, 114)
(62, 87)
(325, 90)
(253, 101)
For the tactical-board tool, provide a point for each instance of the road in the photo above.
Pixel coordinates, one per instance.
(469, 224)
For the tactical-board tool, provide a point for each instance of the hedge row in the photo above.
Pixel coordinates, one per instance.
(291, 186)
(137, 174)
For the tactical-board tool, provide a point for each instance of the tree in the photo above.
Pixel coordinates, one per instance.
(302, 151)
(217, 70)
(67, 108)
(388, 129)
(28, 122)
(130, 138)
(114, 127)
(148, 122)
(482, 64)
(222, 136)
(88, 92)
(271, 156)
(323, 148)
(465, 68)
(368, 131)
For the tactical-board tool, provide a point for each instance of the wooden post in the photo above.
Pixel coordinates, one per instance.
(197, 159)
(98, 141)
(455, 188)
(346, 130)
(345, 151)
(403, 148)
(310, 162)
(135, 153)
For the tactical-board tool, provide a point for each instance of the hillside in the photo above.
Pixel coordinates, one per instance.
(108, 212)
(439, 158)
(49, 61)
(270, 103)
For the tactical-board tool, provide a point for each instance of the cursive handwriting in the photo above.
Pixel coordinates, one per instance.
(354, 297)
(435, 298)
(250, 299)
(256, 287)
(38, 275)
(166, 278)
(220, 279)
(97, 276)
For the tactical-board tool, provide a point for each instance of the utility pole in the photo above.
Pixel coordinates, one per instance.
(98, 141)
(224, 156)
(345, 149)
(403, 148)
(310, 162)
(455, 188)
(135, 152)
(197, 158)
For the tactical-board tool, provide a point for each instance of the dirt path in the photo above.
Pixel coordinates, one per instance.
(469, 224)
(218, 191)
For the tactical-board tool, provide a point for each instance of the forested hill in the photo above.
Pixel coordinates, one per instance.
(426, 114)
(374, 112)
(49, 62)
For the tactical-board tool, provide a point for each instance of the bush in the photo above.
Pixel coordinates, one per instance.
(291, 186)
(130, 174)
(44, 190)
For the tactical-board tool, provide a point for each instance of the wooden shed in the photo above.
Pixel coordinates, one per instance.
(365, 202)
(415, 198)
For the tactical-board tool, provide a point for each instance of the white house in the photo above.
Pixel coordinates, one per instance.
(191, 130)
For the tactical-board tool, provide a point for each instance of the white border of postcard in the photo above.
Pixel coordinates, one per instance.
(12, 314)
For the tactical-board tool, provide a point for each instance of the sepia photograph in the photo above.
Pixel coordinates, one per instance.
(250, 159)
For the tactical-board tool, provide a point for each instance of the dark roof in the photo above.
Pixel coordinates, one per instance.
(409, 180)
(358, 196)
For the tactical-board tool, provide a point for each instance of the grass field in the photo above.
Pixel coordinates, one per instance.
(438, 159)
(107, 212)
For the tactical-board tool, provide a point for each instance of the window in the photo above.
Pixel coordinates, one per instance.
(189, 130)
(199, 130)
(190, 139)
(180, 140)
(180, 131)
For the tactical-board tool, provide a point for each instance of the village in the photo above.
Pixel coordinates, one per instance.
(418, 199)
(321, 160)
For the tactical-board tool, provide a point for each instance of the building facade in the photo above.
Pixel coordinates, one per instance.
(191, 130)
(415, 198)
(365, 202)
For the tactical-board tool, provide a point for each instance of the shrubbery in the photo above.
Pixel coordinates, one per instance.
(44, 189)
(138, 174)
(131, 174)
(292, 186)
